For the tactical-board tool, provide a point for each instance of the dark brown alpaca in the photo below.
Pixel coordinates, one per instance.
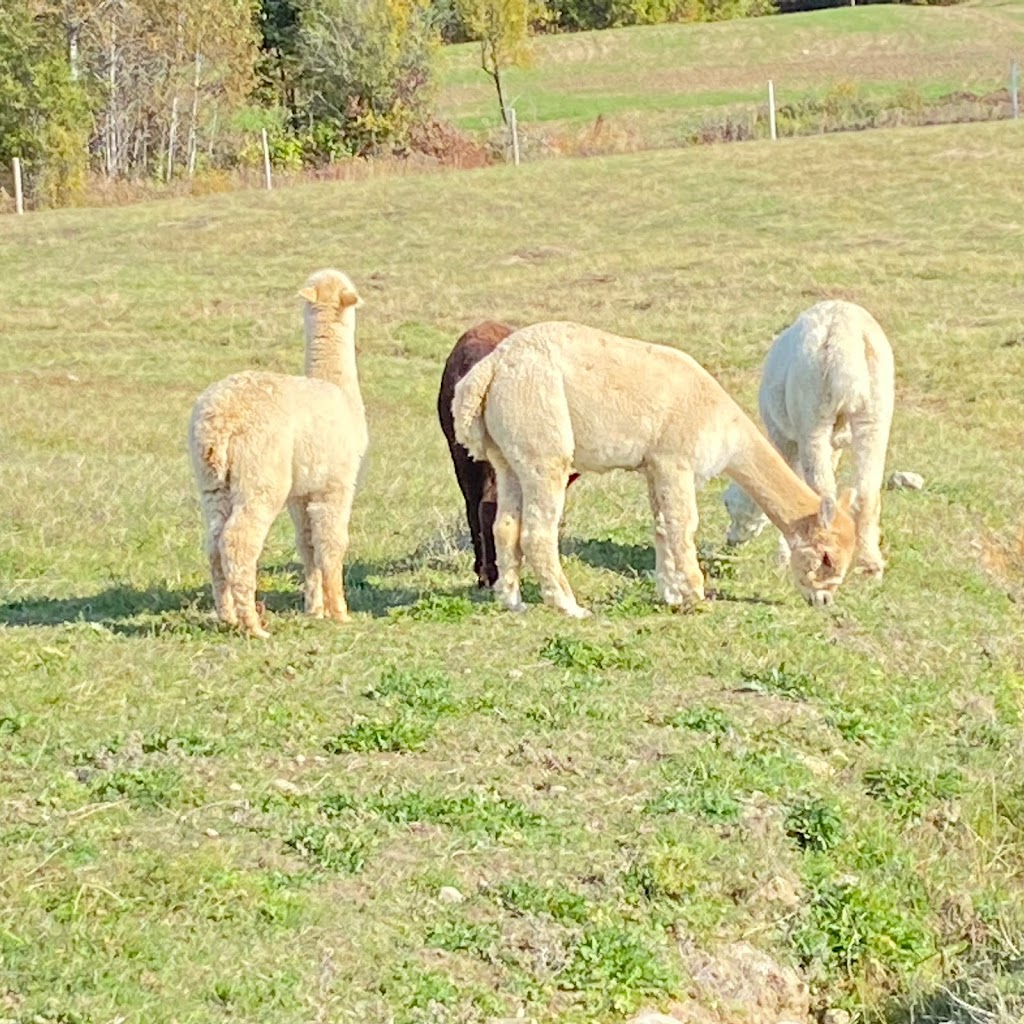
(476, 479)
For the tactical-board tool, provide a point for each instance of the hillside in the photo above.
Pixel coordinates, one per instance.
(660, 82)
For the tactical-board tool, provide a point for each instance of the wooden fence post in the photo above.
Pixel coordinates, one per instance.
(513, 125)
(19, 198)
(771, 108)
(266, 160)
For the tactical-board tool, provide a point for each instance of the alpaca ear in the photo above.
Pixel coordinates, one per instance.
(826, 512)
(351, 298)
(849, 501)
(307, 293)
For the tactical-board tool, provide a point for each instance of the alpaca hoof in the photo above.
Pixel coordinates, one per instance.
(511, 600)
(872, 568)
(576, 612)
(340, 617)
(258, 633)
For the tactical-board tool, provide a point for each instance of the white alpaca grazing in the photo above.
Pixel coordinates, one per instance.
(556, 396)
(260, 441)
(827, 385)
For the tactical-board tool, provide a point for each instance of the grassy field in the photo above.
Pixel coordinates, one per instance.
(195, 827)
(656, 86)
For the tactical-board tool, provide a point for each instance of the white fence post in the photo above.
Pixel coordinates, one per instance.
(771, 108)
(513, 125)
(1014, 98)
(19, 198)
(266, 160)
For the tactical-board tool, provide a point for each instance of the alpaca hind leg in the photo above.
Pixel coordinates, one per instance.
(673, 491)
(216, 511)
(508, 552)
(543, 503)
(329, 519)
(488, 512)
(790, 451)
(313, 590)
(470, 475)
(816, 464)
(870, 441)
(241, 542)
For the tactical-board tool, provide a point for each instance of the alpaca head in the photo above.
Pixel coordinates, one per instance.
(746, 520)
(331, 290)
(821, 549)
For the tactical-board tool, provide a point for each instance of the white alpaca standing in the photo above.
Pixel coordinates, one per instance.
(260, 441)
(827, 385)
(556, 396)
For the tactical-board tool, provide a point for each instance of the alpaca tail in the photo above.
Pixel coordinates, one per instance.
(208, 444)
(468, 406)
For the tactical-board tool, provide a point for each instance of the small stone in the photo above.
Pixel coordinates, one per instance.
(781, 889)
(836, 1016)
(903, 480)
(211, 833)
(817, 765)
(300, 758)
(515, 673)
(286, 787)
(558, 790)
(235, 787)
(449, 894)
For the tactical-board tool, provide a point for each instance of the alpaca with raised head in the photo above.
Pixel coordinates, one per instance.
(827, 385)
(476, 479)
(261, 441)
(560, 395)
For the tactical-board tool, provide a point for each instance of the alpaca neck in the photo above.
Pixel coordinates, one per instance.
(764, 474)
(331, 348)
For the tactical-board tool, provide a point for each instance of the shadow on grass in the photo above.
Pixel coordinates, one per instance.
(625, 559)
(636, 560)
(115, 607)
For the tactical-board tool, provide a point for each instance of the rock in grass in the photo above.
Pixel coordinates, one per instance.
(902, 480)
(836, 1016)
(449, 894)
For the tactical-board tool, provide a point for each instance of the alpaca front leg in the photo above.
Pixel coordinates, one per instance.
(329, 519)
(313, 590)
(674, 500)
(241, 542)
(507, 532)
(664, 565)
(543, 502)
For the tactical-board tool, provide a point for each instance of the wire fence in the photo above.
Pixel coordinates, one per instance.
(830, 89)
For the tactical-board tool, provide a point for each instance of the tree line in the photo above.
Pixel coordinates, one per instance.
(162, 89)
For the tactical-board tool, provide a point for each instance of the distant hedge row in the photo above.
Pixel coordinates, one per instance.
(582, 15)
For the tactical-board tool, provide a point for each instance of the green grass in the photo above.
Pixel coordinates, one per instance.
(195, 826)
(658, 85)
